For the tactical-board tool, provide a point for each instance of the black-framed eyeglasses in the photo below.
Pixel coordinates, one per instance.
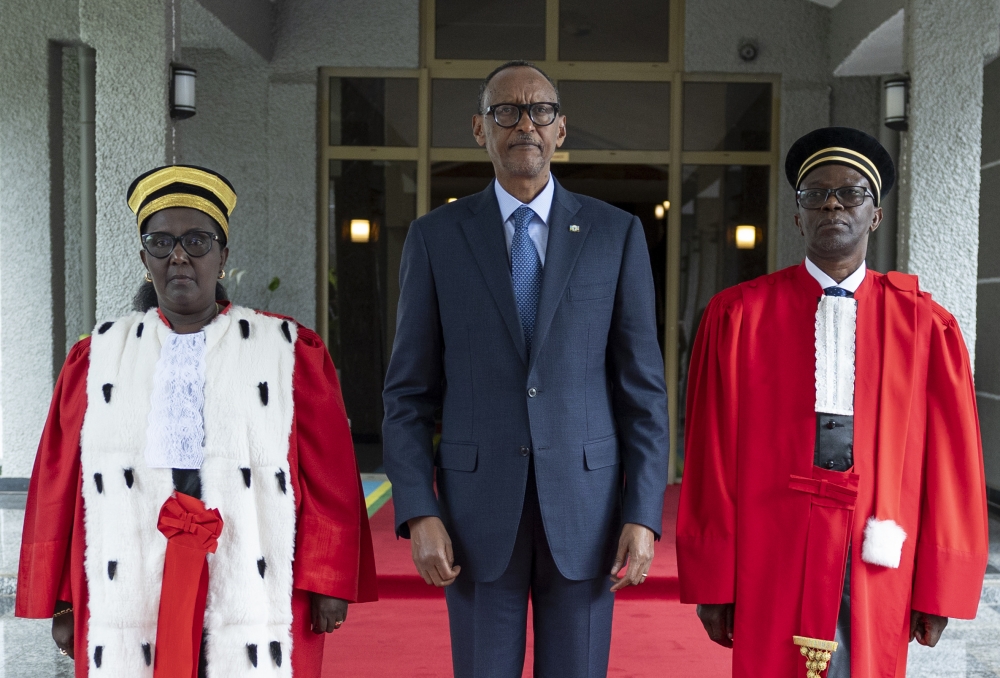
(542, 113)
(195, 243)
(848, 196)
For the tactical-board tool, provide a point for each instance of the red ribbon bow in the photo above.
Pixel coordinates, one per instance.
(192, 531)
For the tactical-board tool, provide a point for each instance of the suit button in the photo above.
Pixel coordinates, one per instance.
(532, 392)
(830, 464)
(524, 451)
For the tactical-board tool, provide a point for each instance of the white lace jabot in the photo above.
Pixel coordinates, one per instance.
(176, 432)
(836, 330)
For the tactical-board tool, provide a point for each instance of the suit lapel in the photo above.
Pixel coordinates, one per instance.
(484, 231)
(560, 258)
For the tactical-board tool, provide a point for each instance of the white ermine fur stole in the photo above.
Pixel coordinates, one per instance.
(248, 416)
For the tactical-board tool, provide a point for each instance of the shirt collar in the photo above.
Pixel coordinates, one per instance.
(851, 283)
(541, 205)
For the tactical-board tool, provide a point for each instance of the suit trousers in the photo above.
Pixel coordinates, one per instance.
(571, 619)
(840, 663)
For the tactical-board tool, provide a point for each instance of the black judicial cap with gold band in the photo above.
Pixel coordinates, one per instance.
(182, 186)
(841, 146)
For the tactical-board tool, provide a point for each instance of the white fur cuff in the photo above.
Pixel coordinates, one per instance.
(883, 543)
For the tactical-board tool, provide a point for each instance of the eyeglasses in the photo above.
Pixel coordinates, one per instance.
(195, 243)
(848, 196)
(542, 113)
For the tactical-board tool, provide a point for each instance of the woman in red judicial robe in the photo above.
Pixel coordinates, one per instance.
(195, 506)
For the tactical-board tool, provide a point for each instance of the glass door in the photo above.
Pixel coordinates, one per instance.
(694, 156)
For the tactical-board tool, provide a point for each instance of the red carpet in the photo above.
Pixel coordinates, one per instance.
(406, 632)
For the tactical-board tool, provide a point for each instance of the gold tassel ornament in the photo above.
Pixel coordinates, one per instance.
(816, 652)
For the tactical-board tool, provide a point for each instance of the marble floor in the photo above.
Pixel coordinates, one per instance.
(968, 649)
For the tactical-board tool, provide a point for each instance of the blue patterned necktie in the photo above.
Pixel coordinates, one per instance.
(837, 292)
(525, 272)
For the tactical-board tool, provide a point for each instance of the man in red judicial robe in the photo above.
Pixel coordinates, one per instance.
(833, 504)
(277, 474)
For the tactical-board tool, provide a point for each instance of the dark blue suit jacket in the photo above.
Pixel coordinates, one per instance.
(590, 402)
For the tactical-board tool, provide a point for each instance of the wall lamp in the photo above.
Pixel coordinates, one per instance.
(746, 237)
(182, 80)
(897, 96)
(361, 230)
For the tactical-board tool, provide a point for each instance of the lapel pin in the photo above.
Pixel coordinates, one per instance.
(574, 229)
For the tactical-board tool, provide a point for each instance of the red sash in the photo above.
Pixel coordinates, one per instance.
(192, 531)
(831, 517)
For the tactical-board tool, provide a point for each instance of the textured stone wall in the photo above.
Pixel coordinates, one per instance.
(27, 31)
(792, 39)
(72, 233)
(133, 44)
(257, 123)
(940, 155)
(857, 102)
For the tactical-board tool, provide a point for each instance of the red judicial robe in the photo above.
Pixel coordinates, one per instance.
(333, 547)
(751, 424)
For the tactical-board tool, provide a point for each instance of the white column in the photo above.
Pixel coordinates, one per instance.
(946, 44)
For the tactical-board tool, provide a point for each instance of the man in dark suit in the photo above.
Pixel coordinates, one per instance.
(526, 316)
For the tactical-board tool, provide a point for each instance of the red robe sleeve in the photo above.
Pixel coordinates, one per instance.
(953, 540)
(333, 544)
(44, 574)
(706, 520)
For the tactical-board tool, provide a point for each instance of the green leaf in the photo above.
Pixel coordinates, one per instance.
(274, 284)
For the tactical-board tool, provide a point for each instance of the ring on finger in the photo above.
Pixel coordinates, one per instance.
(63, 652)
(337, 624)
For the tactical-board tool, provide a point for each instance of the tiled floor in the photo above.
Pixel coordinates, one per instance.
(968, 649)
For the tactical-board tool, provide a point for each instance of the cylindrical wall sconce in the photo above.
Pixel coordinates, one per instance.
(182, 80)
(897, 94)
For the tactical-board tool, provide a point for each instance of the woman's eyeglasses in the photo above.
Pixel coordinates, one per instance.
(195, 243)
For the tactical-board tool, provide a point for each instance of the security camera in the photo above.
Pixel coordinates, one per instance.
(748, 50)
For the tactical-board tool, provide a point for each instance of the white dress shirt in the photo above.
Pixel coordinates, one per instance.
(851, 283)
(538, 227)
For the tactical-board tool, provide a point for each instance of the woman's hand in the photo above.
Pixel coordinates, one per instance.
(328, 613)
(62, 628)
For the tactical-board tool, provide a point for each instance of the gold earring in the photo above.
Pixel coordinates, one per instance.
(223, 274)
(147, 278)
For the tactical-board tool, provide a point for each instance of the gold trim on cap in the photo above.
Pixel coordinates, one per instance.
(188, 175)
(184, 200)
(871, 165)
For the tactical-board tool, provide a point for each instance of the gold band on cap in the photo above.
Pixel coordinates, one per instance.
(846, 156)
(184, 200)
(186, 175)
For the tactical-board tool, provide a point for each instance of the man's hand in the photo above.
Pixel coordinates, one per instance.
(62, 629)
(432, 552)
(926, 628)
(718, 622)
(635, 546)
(328, 613)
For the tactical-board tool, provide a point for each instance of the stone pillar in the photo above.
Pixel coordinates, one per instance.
(133, 133)
(946, 43)
(30, 214)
